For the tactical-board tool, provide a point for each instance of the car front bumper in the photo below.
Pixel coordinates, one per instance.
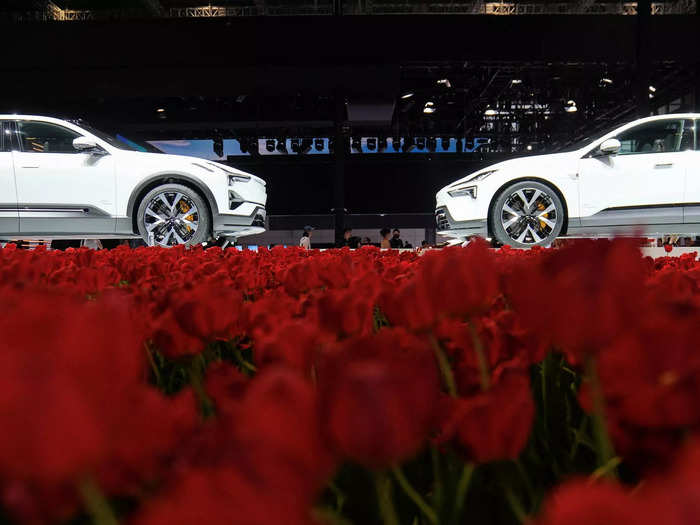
(449, 227)
(228, 225)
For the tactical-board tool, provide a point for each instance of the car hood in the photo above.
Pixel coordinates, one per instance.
(184, 163)
(545, 162)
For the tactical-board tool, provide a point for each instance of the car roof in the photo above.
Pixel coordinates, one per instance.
(31, 117)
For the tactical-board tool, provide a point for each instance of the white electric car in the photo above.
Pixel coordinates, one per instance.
(60, 179)
(641, 178)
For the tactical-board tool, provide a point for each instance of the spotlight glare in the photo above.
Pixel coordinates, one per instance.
(529, 147)
(652, 89)
(490, 112)
(429, 109)
(444, 82)
(606, 80)
(406, 96)
(160, 110)
(516, 81)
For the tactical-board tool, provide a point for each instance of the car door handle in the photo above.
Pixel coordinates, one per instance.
(663, 165)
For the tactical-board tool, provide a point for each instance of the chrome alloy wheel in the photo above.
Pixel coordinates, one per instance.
(529, 216)
(171, 218)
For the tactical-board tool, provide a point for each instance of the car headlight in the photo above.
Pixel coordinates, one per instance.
(462, 192)
(482, 176)
(237, 178)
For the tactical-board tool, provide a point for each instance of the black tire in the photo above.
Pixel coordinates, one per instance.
(537, 220)
(177, 226)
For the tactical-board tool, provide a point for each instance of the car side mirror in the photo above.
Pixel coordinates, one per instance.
(610, 147)
(87, 145)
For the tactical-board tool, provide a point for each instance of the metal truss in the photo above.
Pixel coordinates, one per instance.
(52, 12)
(584, 7)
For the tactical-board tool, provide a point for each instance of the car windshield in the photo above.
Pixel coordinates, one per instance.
(118, 141)
(587, 140)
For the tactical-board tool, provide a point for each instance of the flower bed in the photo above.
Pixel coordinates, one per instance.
(186, 386)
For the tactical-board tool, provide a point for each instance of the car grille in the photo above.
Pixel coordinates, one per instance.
(441, 219)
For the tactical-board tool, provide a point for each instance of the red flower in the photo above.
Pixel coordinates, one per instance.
(378, 396)
(492, 425)
(586, 503)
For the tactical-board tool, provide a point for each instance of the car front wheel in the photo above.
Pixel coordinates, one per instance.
(526, 214)
(173, 214)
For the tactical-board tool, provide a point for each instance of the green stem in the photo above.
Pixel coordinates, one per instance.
(437, 479)
(515, 504)
(461, 492)
(382, 483)
(445, 368)
(480, 357)
(339, 496)
(604, 445)
(243, 362)
(606, 469)
(96, 504)
(414, 496)
(154, 366)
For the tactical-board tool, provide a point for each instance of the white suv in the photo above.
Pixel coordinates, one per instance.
(640, 178)
(59, 179)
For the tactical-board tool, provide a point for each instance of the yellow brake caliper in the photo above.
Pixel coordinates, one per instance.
(184, 208)
(543, 224)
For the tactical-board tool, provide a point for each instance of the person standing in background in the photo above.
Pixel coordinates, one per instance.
(385, 243)
(305, 241)
(396, 241)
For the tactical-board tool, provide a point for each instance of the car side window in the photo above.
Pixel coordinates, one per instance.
(661, 136)
(44, 137)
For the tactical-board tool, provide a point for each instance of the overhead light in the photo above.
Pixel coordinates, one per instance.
(490, 112)
(430, 104)
(651, 95)
(429, 109)
(570, 106)
(407, 95)
(516, 81)
(652, 89)
(529, 147)
(606, 80)
(444, 82)
(160, 110)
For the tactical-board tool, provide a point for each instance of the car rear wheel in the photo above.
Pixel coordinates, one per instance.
(173, 214)
(526, 214)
